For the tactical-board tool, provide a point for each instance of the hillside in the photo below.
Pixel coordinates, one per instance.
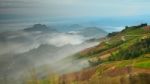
(121, 58)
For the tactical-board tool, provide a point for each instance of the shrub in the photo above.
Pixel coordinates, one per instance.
(133, 51)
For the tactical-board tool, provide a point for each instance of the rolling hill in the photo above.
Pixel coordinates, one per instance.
(121, 58)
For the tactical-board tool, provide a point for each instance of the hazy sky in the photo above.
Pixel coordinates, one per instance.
(74, 7)
(24, 9)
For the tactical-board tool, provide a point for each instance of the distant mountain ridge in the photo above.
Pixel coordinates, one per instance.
(93, 32)
(40, 27)
(88, 32)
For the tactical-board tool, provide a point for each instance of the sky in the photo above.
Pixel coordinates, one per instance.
(22, 11)
(72, 8)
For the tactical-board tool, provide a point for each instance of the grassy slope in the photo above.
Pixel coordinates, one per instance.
(134, 70)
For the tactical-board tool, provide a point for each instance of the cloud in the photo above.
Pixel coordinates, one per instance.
(113, 29)
(65, 39)
(21, 42)
(21, 51)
